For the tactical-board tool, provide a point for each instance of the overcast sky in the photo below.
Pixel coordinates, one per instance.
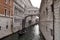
(36, 3)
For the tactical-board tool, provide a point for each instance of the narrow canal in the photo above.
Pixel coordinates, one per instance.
(32, 33)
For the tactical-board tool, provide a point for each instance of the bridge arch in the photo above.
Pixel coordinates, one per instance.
(27, 18)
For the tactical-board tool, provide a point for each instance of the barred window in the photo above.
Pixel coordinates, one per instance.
(8, 12)
(52, 8)
(0, 27)
(5, 12)
(46, 11)
(6, 26)
(51, 32)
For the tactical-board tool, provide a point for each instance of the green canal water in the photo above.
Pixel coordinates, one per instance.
(31, 34)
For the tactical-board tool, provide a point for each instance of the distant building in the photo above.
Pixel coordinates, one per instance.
(27, 3)
(18, 15)
(20, 7)
(31, 12)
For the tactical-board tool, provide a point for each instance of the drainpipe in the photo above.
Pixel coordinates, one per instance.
(53, 22)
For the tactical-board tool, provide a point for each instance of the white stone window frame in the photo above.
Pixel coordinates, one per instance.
(7, 1)
(6, 12)
(2, 14)
(9, 12)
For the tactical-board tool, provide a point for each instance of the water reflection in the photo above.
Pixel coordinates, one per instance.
(36, 32)
(31, 34)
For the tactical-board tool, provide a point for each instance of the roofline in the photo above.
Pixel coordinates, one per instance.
(30, 2)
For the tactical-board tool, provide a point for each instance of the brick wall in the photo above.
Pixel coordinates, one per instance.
(7, 6)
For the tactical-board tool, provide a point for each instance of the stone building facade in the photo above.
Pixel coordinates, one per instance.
(49, 19)
(20, 7)
(46, 24)
(12, 13)
(6, 16)
(57, 19)
(18, 15)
